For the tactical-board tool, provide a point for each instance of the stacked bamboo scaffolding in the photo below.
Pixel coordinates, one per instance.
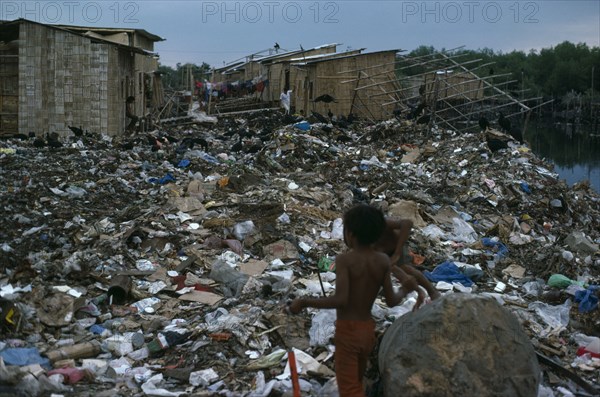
(454, 95)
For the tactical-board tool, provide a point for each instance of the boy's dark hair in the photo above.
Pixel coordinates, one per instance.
(365, 222)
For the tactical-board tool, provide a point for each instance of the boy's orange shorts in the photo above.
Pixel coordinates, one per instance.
(354, 341)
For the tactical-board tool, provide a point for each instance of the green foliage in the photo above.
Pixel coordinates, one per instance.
(172, 77)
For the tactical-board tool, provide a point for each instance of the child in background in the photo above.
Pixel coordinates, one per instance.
(393, 243)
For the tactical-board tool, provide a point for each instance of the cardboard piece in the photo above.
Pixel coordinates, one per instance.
(202, 297)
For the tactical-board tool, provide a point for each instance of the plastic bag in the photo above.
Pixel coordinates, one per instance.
(500, 250)
(554, 316)
(204, 377)
(322, 328)
(533, 288)
(232, 282)
(448, 271)
(337, 232)
(587, 299)
(560, 281)
(244, 229)
(463, 231)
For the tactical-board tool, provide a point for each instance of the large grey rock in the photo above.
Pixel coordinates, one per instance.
(459, 345)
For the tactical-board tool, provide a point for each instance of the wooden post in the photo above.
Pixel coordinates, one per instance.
(81, 350)
(355, 93)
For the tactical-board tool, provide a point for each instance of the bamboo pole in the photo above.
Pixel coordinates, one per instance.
(355, 94)
(465, 82)
(387, 71)
(365, 106)
(515, 101)
(436, 83)
(479, 100)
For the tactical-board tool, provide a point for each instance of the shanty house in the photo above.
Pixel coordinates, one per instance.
(359, 83)
(272, 73)
(54, 76)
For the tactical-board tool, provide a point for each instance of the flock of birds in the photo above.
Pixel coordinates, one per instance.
(249, 141)
(49, 139)
(246, 140)
(495, 142)
(419, 113)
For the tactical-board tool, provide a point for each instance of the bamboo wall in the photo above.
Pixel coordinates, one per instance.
(9, 90)
(323, 77)
(66, 79)
(58, 80)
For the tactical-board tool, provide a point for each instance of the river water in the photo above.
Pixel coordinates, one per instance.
(575, 154)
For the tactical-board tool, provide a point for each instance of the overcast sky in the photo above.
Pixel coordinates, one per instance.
(223, 31)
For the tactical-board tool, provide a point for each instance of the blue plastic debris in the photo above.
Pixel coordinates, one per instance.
(500, 250)
(165, 179)
(449, 272)
(23, 356)
(184, 163)
(525, 187)
(303, 125)
(587, 298)
(208, 158)
(97, 329)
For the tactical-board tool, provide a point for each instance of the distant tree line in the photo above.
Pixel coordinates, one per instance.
(178, 78)
(556, 72)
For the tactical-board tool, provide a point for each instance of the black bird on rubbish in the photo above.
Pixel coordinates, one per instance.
(253, 149)
(330, 114)
(276, 46)
(325, 98)
(203, 143)
(425, 119)
(344, 138)
(504, 123)
(39, 142)
(496, 144)
(417, 111)
(265, 135)
(245, 133)
(188, 143)
(320, 117)
(237, 146)
(517, 134)
(484, 123)
(77, 131)
(129, 145)
(53, 140)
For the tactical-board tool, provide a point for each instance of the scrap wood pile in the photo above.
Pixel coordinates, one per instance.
(160, 264)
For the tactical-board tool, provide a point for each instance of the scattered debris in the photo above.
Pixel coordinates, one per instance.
(144, 266)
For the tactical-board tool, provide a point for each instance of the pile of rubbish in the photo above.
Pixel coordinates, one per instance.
(160, 264)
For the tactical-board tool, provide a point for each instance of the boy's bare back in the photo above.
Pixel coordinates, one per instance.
(362, 271)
